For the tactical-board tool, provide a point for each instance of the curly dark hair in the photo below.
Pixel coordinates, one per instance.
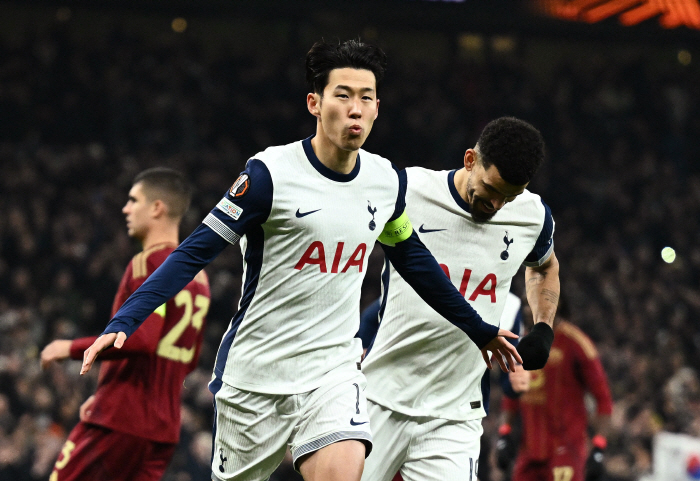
(515, 147)
(324, 57)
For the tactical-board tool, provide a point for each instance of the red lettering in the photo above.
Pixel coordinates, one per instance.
(307, 259)
(465, 281)
(336, 259)
(355, 260)
(446, 270)
(482, 291)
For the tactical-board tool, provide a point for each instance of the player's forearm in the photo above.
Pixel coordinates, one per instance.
(185, 262)
(542, 288)
(414, 262)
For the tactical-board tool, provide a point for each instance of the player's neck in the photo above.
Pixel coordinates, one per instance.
(163, 234)
(461, 180)
(333, 157)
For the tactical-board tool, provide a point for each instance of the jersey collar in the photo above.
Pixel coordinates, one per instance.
(325, 171)
(455, 194)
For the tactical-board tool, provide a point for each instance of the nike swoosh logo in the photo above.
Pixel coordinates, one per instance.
(353, 423)
(302, 214)
(425, 231)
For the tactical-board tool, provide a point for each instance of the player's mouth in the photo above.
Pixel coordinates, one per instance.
(355, 129)
(487, 208)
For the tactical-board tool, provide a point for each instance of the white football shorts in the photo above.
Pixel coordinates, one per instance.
(422, 448)
(253, 430)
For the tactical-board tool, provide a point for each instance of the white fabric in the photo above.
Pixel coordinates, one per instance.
(420, 364)
(253, 430)
(509, 316)
(422, 449)
(302, 322)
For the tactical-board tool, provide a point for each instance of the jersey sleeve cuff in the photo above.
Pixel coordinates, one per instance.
(542, 260)
(220, 228)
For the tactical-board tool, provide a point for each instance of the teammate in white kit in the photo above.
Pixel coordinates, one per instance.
(426, 387)
(287, 372)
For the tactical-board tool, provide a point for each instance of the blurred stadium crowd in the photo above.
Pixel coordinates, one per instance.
(81, 115)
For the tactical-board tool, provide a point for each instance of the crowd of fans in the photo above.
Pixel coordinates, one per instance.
(81, 115)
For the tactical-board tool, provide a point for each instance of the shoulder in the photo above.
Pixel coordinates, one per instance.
(147, 261)
(275, 153)
(420, 175)
(529, 201)
(374, 161)
(578, 337)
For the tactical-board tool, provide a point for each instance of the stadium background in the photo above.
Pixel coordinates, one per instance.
(93, 92)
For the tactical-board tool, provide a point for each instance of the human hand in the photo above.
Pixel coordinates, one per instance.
(520, 379)
(503, 351)
(100, 344)
(55, 351)
(595, 467)
(505, 448)
(86, 408)
(534, 348)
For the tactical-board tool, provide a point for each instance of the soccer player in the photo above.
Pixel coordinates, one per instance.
(129, 428)
(288, 368)
(553, 414)
(426, 390)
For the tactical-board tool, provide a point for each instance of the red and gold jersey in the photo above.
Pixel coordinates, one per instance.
(553, 413)
(145, 377)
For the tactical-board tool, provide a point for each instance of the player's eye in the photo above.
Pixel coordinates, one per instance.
(367, 98)
(342, 96)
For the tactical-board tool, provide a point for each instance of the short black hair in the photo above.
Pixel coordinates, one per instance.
(324, 57)
(514, 146)
(167, 185)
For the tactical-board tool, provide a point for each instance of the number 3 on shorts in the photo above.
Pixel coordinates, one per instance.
(563, 473)
(60, 464)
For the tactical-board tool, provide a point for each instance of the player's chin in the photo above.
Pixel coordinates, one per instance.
(480, 216)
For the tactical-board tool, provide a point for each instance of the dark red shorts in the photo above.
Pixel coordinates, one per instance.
(96, 453)
(562, 467)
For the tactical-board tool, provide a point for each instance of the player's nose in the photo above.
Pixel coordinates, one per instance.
(356, 110)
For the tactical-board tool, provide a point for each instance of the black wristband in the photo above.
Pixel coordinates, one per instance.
(534, 348)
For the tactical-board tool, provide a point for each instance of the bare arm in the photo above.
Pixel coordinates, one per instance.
(542, 289)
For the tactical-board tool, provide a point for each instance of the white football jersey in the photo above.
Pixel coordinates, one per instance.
(306, 233)
(419, 363)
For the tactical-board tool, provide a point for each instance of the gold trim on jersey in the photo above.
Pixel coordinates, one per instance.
(579, 338)
(139, 264)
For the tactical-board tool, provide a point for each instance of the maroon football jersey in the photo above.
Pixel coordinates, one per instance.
(553, 413)
(139, 385)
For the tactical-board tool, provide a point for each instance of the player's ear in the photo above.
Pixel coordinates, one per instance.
(159, 208)
(376, 113)
(469, 159)
(313, 103)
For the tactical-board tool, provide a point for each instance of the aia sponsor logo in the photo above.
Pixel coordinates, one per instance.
(315, 255)
(486, 287)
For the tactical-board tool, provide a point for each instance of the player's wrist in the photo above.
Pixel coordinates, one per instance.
(534, 348)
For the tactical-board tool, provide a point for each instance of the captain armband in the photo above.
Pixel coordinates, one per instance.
(396, 231)
(160, 311)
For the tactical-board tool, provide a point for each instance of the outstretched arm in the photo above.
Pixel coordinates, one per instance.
(414, 262)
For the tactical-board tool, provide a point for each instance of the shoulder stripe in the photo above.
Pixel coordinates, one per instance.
(139, 264)
(576, 335)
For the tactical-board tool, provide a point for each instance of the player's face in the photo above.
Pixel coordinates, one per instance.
(348, 107)
(138, 211)
(487, 192)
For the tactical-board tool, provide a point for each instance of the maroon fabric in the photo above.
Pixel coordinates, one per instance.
(553, 413)
(565, 466)
(138, 391)
(130, 458)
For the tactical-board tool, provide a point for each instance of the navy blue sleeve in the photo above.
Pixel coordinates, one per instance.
(545, 242)
(505, 381)
(198, 250)
(245, 205)
(414, 262)
(369, 324)
(401, 197)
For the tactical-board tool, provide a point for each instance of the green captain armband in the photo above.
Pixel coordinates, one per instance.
(396, 231)
(160, 311)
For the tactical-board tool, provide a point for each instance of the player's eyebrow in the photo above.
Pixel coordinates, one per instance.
(131, 198)
(345, 87)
